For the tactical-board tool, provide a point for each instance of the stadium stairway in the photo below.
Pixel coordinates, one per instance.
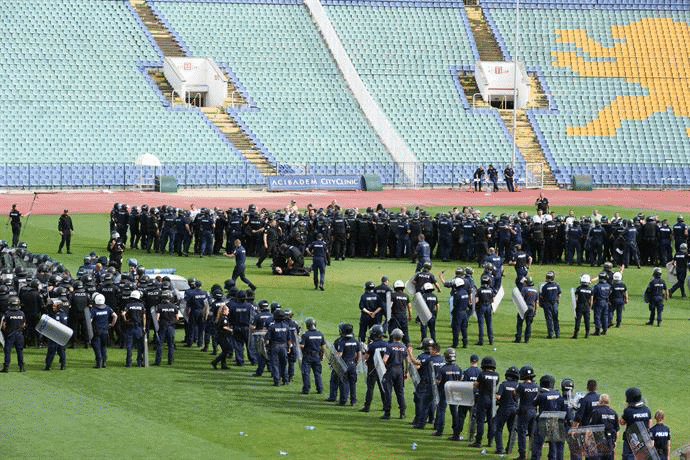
(526, 137)
(225, 123)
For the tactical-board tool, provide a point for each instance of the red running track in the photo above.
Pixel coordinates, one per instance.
(102, 201)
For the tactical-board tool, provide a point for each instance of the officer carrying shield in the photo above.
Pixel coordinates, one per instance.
(313, 347)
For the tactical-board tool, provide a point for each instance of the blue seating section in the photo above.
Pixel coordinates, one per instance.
(646, 151)
(681, 5)
(75, 93)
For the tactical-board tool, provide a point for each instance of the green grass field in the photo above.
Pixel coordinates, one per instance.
(192, 411)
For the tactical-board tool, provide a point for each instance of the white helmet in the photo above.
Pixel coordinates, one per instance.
(428, 287)
(458, 282)
(135, 295)
(99, 299)
(585, 279)
(617, 276)
(398, 284)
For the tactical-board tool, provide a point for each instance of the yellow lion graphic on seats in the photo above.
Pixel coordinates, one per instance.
(653, 53)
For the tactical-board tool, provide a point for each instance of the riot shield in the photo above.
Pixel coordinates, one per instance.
(552, 426)
(258, 343)
(2, 334)
(414, 375)
(362, 364)
(389, 306)
(54, 330)
(434, 387)
(573, 301)
(146, 349)
(336, 362)
(379, 365)
(154, 320)
(87, 323)
(450, 304)
(588, 441)
(409, 287)
(497, 299)
(493, 398)
(298, 354)
(459, 393)
(640, 442)
(519, 303)
(422, 309)
(671, 273)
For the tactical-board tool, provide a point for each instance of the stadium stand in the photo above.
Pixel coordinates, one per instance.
(79, 107)
(622, 107)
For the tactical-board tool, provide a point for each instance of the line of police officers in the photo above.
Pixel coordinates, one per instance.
(458, 235)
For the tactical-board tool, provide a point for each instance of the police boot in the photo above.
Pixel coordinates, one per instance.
(364, 408)
(658, 323)
(596, 332)
(386, 415)
(402, 414)
(4, 369)
(586, 335)
(574, 336)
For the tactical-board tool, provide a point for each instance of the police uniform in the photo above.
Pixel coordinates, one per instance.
(632, 414)
(424, 395)
(241, 317)
(661, 434)
(681, 259)
(399, 314)
(13, 327)
(394, 378)
(368, 303)
(431, 302)
(617, 301)
(278, 337)
(527, 393)
(583, 304)
(548, 299)
(312, 343)
(488, 383)
(16, 223)
(54, 347)
(240, 266)
(449, 372)
(600, 299)
(470, 375)
(459, 315)
(167, 317)
(65, 228)
(654, 295)
(376, 346)
(319, 251)
(531, 296)
(134, 333)
(547, 401)
(604, 415)
(100, 322)
(260, 323)
(349, 349)
(485, 297)
(507, 411)
(196, 300)
(224, 329)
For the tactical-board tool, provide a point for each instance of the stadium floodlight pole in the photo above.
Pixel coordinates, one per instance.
(515, 73)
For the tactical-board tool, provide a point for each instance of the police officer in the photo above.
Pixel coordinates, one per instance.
(680, 262)
(210, 332)
(376, 346)
(449, 372)
(507, 407)
(423, 393)
(654, 295)
(369, 308)
(313, 347)
(102, 318)
(401, 311)
(394, 379)
(635, 411)
(460, 311)
(260, 324)
(548, 400)
(206, 226)
(602, 414)
(600, 304)
(583, 305)
(509, 176)
(485, 298)
(319, 250)
(13, 325)
(661, 435)
(65, 228)
(294, 329)
(583, 415)
(665, 234)
(167, 314)
(531, 297)
(422, 252)
(224, 328)
(240, 256)
(595, 242)
(486, 383)
(240, 318)
(631, 253)
(349, 351)
(680, 233)
(523, 263)
(15, 220)
(431, 300)
(493, 177)
(79, 301)
(549, 297)
(527, 392)
(135, 324)
(56, 311)
(278, 338)
(197, 305)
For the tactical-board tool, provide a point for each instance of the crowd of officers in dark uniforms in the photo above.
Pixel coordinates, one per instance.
(125, 306)
(462, 234)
